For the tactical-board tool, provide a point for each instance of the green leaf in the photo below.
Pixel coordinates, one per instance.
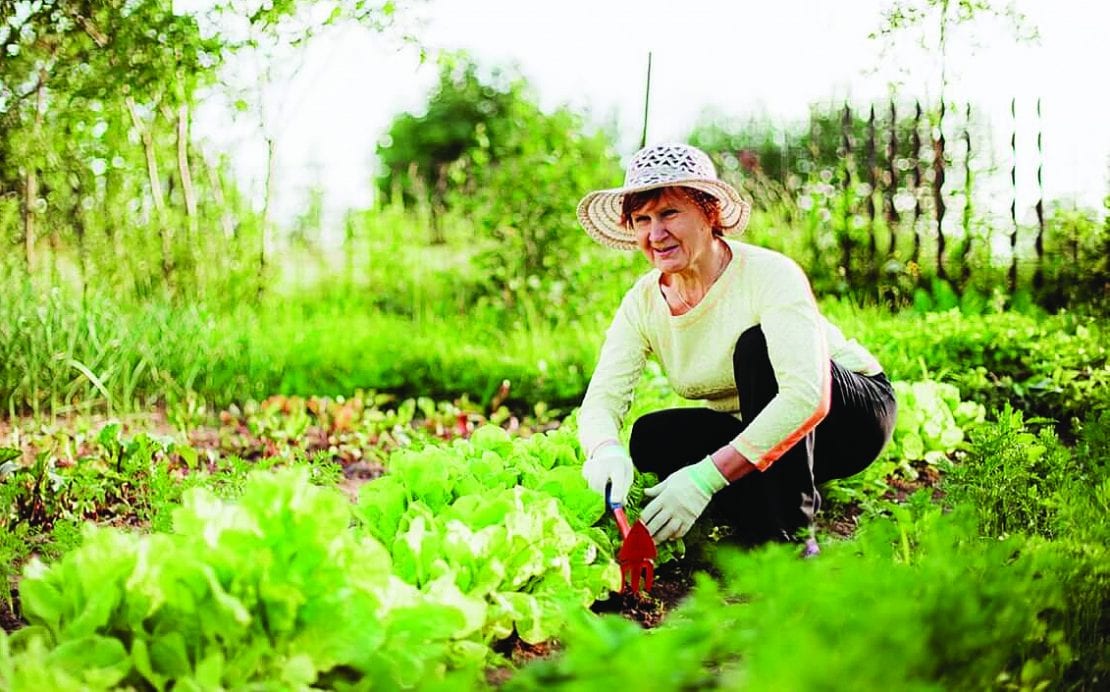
(140, 658)
(188, 454)
(169, 655)
(473, 610)
(299, 672)
(101, 662)
(492, 438)
(109, 435)
(913, 447)
(42, 602)
(381, 505)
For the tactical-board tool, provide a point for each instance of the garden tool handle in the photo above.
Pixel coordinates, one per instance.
(618, 512)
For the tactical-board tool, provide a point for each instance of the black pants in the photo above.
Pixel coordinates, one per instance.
(772, 505)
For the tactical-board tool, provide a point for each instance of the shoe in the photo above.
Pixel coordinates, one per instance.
(811, 549)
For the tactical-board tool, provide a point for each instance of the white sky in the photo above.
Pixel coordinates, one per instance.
(740, 58)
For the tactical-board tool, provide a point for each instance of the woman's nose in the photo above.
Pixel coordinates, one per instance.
(658, 230)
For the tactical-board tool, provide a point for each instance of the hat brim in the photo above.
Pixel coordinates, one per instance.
(600, 212)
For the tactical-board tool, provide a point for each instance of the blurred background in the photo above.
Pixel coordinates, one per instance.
(228, 198)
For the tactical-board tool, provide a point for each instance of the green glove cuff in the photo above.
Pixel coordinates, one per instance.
(707, 476)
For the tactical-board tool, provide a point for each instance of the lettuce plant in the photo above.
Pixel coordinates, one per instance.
(274, 588)
(509, 521)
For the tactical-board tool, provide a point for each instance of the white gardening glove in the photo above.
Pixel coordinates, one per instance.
(610, 464)
(681, 498)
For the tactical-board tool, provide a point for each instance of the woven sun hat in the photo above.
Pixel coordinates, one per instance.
(660, 165)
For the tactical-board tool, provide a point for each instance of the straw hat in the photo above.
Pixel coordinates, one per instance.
(660, 165)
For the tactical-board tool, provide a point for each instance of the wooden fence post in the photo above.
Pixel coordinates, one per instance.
(939, 206)
(916, 139)
(872, 183)
(1038, 276)
(846, 220)
(964, 265)
(1013, 196)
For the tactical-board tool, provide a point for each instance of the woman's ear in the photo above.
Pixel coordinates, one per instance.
(715, 220)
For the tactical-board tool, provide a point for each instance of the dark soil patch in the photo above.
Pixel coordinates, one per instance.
(838, 521)
(9, 618)
(671, 584)
(519, 653)
(927, 477)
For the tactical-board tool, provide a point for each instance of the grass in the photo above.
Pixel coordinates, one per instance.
(62, 354)
(59, 356)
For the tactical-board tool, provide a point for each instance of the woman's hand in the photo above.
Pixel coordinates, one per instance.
(681, 498)
(609, 464)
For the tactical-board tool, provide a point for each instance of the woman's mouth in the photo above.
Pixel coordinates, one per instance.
(665, 252)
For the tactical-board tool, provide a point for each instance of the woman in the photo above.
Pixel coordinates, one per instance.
(789, 402)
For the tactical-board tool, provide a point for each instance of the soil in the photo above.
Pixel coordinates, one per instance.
(671, 584)
(358, 474)
(8, 618)
(927, 477)
(519, 653)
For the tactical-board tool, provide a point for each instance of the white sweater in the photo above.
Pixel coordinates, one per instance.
(758, 287)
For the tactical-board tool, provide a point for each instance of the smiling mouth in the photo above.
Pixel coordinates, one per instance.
(663, 251)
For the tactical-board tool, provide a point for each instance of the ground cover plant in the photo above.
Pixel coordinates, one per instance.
(57, 477)
(442, 518)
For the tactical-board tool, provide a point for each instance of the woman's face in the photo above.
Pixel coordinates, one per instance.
(672, 232)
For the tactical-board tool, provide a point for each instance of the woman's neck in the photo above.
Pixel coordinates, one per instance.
(693, 283)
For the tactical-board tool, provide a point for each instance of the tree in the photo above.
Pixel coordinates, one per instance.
(74, 70)
(95, 104)
(483, 147)
(463, 114)
(269, 45)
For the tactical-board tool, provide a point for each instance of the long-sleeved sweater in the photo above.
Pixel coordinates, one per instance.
(758, 287)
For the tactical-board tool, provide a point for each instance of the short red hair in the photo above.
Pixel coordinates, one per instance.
(709, 204)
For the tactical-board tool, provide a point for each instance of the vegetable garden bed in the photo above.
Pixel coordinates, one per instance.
(479, 557)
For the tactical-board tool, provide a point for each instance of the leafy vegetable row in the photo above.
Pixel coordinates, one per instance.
(290, 585)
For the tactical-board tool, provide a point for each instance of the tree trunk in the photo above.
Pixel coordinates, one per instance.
(30, 196)
(31, 180)
(187, 190)
(891, 181)
(1038, 245)
(77, 218)
(1013, 198)
(938, 143)
(438, 207)
(271, 178)
(847, 213)
(221, 203)
(872, 184)
(157, 198)
(969, 184)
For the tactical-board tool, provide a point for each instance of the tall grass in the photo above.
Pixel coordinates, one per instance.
(59, 354)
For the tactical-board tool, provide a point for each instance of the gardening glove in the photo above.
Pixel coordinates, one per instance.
(681, 498)
(610, 464)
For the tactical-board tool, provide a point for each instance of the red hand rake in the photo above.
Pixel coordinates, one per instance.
(637, 554)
